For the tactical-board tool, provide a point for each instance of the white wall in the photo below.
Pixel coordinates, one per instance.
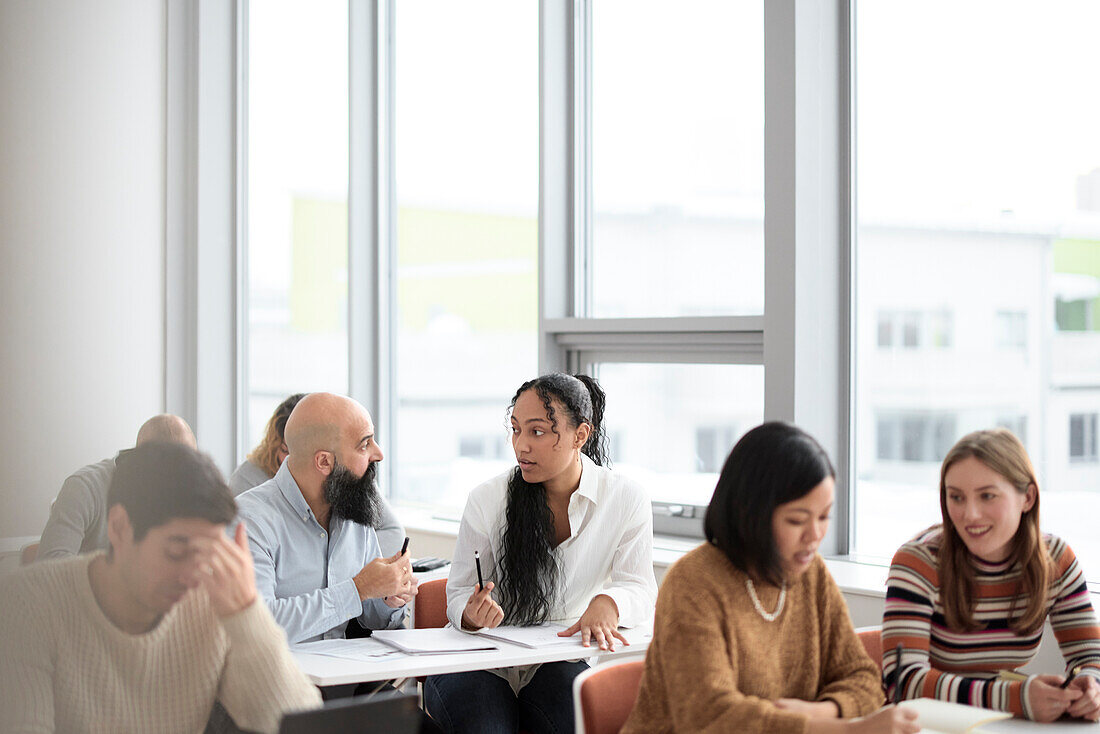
(82, 231)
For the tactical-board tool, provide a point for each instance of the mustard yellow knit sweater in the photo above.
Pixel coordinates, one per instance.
(715, 665)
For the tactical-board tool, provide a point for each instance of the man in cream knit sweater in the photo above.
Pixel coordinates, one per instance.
(147, 636)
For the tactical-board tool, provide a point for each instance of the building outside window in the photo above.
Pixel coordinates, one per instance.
(1000, 239)
(1082, 437)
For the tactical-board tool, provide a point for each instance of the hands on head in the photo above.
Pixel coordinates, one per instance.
(225, 571)
(390, 579)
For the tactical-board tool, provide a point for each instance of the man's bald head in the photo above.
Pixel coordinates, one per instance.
(166, 428)
(323, 421)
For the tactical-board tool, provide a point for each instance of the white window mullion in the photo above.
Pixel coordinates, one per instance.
(806, 231)
(557, 161)
(370, 220)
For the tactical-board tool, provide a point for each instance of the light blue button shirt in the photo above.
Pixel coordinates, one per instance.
(305, 573)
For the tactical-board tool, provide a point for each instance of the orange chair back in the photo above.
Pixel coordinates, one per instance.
(607, 695)
(28, 554)
(871, 637)
(430, 607)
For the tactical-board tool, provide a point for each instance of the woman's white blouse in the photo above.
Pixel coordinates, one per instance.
(609, 549)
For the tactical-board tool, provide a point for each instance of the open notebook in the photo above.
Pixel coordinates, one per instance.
(944, 717)
(432, 641)
(546, 635)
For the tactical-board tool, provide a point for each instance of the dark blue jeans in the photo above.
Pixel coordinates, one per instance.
(483, 703)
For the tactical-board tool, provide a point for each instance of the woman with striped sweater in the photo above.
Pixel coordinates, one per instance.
(967, 599)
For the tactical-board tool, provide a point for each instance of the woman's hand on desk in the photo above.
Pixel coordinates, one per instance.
(1088, 705)
(481, 610)
(599, 621)
(889, 720)
(813, 709)
(1047, 699)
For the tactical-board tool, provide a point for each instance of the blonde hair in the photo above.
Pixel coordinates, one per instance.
(266, 455)
(1002, 452)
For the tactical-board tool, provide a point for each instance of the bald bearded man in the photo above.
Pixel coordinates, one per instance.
(311, 527)
(78, 516)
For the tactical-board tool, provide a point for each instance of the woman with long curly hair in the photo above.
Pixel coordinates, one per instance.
(969, 598)
(561, 539)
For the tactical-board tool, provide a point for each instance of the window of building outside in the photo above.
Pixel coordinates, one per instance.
(915, 329)
(1012, 329)
(977, 255)
(296, 183)
(465, 302)
(1082, 437)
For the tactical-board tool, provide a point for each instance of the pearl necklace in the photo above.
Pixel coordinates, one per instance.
(768, 617)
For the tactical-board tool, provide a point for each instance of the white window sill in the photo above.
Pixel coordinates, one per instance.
(861, 578)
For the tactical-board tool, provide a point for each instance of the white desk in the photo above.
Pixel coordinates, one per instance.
(324, 670)
(1020, 726)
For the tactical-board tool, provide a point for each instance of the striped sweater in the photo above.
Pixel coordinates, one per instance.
(962, 666)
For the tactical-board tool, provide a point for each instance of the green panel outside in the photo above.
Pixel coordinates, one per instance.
(481, 267)
(1082, 257)
(319, 281)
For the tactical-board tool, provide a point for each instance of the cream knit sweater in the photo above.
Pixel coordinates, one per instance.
(65, 667)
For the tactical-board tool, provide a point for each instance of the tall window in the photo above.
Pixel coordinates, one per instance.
(677, 169)
(670, 291)
(297, 185)
(976, 189)
(465, 306)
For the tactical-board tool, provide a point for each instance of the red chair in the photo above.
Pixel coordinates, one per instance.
(430, 604)
(604, 696)
(28, 554)
(430, 608)
(871, 637)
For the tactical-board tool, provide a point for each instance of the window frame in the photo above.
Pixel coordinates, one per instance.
(807, 232)
(804, 343)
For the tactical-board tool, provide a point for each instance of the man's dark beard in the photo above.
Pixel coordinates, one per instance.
(354, 498)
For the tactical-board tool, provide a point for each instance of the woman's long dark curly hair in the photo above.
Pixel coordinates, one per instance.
(528, 567)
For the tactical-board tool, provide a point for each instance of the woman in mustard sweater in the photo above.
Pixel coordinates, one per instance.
(751, 632)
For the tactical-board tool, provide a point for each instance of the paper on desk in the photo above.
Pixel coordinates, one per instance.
(433, 641)
(945, 717)
(546, 635)
(364, 649)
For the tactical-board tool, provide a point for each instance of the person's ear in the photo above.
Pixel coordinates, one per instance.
(583, 432)
(1030, 496)
(281, 453)
(324, 461)
(120, 531)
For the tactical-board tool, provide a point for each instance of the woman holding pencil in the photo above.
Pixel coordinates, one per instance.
(967, 600)
(559, 538)
(752, 634)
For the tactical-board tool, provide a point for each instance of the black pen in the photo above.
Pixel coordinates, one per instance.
(404, 546)
(1072, 674)
(477, 562)
(897, 675)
